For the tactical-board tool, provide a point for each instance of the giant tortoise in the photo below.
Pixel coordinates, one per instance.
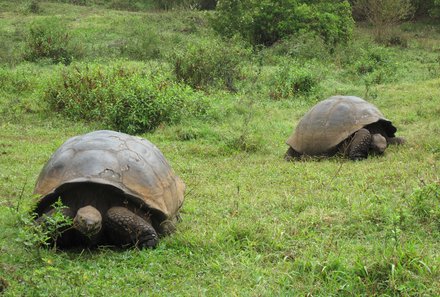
(342, 124)
(118, 189)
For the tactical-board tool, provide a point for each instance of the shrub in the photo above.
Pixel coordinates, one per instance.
(198, 4)
(165, 4)
(48, 38)
(265, 22)
(17, 80)
(206, 4)
(384, 15)
(292, 80)
(32, 6)
(435, 9)
(123, 97)
(375, 66)
(396, 38)
(76, 2)
(130, 5)
(303, 46)
(209, 62)
(142, 44)
(46, 230)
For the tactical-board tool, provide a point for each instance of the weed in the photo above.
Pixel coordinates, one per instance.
(46, 230)
(49, 38)
(424, 202)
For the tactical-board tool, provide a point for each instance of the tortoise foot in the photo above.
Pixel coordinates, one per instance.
(127, 228)
(292, 155)
(396, 140)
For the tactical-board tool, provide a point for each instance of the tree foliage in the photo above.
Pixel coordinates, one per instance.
(384, 15)
(267, 21)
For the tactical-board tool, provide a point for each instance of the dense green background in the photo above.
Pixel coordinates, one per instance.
(253, 224)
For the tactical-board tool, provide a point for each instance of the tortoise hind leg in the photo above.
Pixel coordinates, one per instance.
(125, 227)
(359, 145)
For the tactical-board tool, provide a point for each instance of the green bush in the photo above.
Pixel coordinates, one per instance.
(123, 97)
(198, 4)
(209, 62)
(130, 5)
(435, 9)
(384, 15)
(77, 2)
(31, 6)
(304, 46)
(49, 38)
(293, 80)
(17, 80)
(142, 44)
(375, 66)
(206, 4)
(265, 22)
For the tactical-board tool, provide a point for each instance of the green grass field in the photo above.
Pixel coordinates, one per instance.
(252, 224)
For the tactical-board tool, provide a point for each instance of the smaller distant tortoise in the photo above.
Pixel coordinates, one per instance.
(347, 125)
(118, 189)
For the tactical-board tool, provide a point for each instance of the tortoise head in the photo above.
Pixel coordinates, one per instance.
(88, 221)
(378, 143)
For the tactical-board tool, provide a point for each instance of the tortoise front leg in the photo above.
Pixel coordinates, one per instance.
(396, 140)
(359, 145)
(125, 227)
(292, 155)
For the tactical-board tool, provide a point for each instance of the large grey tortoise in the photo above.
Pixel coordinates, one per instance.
(118, 189)
(342, 124)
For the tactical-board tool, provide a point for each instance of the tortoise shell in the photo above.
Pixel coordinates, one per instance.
(331, 121)
(132, 165)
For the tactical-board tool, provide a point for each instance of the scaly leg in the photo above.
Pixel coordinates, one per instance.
(125, 227)
(360, 144)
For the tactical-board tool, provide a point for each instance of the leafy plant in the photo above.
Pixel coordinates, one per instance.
(32, 6)
(143, 44)
(49, 38)
(293, 80)
(46, 230)
(122, 97)
(303, 46)
(374, 67)
(265, 22)
(424, 203)
(384, 15)
(209, 62)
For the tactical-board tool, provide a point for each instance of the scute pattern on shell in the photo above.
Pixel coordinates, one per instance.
(331, 121)
(129, 163)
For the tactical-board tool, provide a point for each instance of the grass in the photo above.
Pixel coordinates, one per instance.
(253, 224)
